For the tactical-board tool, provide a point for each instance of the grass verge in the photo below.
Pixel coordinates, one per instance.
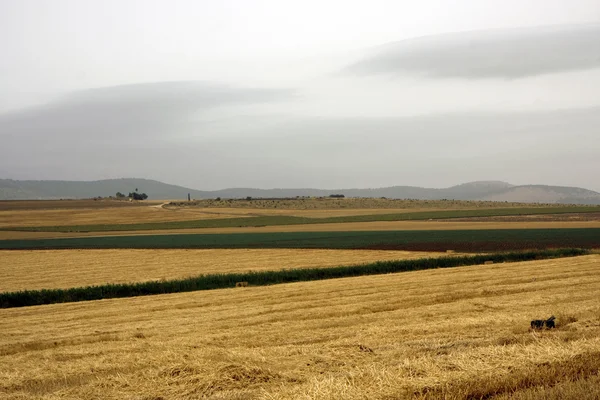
(219, 281)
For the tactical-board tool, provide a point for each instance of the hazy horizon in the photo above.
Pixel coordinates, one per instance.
(270, 95)
(489, 182)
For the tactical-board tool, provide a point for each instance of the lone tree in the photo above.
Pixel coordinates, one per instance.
(120, 195)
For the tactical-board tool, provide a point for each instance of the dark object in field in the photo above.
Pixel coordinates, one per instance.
(543, 323)
(241, 284)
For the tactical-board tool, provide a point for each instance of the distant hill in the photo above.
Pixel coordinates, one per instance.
(482, 190)
(47, 190)
(546, 194)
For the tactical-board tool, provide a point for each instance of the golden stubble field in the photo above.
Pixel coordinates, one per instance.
(50, 269)
(110, 215)
(448, 333)
(160, 213)
(89, 212)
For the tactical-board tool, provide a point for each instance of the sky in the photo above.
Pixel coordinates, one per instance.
(323, 94)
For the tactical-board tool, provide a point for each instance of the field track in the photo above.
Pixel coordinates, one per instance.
(50, 269)
(453, 333)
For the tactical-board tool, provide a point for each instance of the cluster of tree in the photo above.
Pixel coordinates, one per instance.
(132, 195)
(138, 196)
(337, 196)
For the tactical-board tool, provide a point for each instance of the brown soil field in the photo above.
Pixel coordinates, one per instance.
(336, 227)
(460, 333)
(49, 269)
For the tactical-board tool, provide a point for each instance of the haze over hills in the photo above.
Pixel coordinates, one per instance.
(481, 190)
(454, 106)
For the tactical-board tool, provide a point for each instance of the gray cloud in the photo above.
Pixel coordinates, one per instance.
(140, 130)
(515, 53)
(137, 111)
(550, 147)
(553, 147)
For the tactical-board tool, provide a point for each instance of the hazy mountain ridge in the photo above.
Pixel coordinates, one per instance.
(546, 194)
(480, 190)
(49, 190)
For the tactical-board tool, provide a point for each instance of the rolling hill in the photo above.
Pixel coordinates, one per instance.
(48, 190)
(481, 190)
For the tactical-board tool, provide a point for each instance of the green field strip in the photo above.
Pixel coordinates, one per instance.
(434, 240)
(262, 278)
(276, 220)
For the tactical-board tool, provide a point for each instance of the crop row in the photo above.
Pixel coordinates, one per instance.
(218, 281)
(436, 240)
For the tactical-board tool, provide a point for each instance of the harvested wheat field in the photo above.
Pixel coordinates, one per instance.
(90, 212)
(452, 333)
(161, 213)
(15, 205)
(109, 215)
(50, 269)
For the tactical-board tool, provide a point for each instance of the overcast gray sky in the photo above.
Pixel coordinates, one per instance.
(329, 94)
